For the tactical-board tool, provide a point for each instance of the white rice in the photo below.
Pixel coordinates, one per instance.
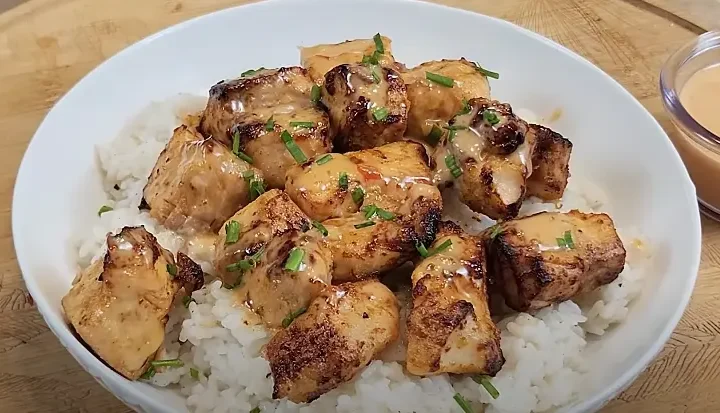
(544, 351)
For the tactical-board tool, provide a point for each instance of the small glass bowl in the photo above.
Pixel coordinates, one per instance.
(698, 147)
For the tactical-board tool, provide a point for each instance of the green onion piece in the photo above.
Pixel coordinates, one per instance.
(320, 227)
(434, 136)
(371, 59)
(566, 241)
(324, 159)
(455, 127)
(315, 94)
(379, 46)
(270, 124)
(465, 108)
(302, 124)
(358, 195)
(364, 225)
(451, 163)
(194, 373)
(377, 77)
(343, 181)
(487, 384)
(232, 232)
(490, 117)
(385, 215)
(464, 405)
(248, 175)
(452, 134)
(256, 257)
(420, 247)
(439, 79)
(167, 363)
(496, 230)
(380, 113)
(149, 373)
(103, 209)
(236, 148)
(171, 269)
(440, 248)
(294, 259)
(187, 300)
(251, 72)
(257, 188)
(255, 410)
(292, 316)
(488, 73)
(293, 148)
(370, 211)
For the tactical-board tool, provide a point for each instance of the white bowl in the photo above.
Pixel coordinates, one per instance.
(617, 143)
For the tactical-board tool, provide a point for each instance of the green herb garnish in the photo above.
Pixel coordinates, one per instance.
(487, 384)
(232, 232)
(251, 72)
(324, 159)
(486, 72)
(302, 124)
(292, 316)
(293, 148)
(358, 195)
(270, 124)
(149, 373)
(439, 79)
(425, 253)
(435, 134)
(379, 46)
(566, 241)
(171, 269)
(294, 259)
(343, 181)
(194, 373)
(496, 230)
(490, 117)
(364, 225)
(385, 215)
(380, 113)
(421, 249)
(320, 227)
(255, 410)
(315, 94)
(103, 209)
(464, 404)
(167, 363)
(236, 148)
(377, 77)
(465, 108)
(370, 211)
(451, 163)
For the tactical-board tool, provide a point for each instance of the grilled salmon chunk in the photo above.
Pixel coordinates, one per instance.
(343, 329)
(551, 164)
(252, 253)
(252, 113)
(196, 183)
(550, 257)
(119, 305)
(449, 325)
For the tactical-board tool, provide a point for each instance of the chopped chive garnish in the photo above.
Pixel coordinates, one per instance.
(364, 225)
(320, 227)
(451, 163)
(455, 127)
(242, 265)
(194, 373)
(248, 175)
(486, 72)
(439, 79)
(149, 373)
(442, 247)
(452, 134)
(293, 148)
(371, 59)
(379, 46)
(358, 195)
(490, 117)
(187, 300)
(236, 148)
(370, 211)
(420, 247)
(255, 410)
(171, 269)
(167, 363)
(377, 77)
(270, 124)
(343, 181)
(295, 259)
(465, 108)
(434, 136)
(496, 230)
(257, 187)
(302, 124)
(380, 113)
(251, 72)
(103, 209)
(232, 232)
(487, 384)
(242, 155)
(566, 241)
(315, 94)
(324, 159)
(385, 215)
(464, 405)
(256, 257)
(292, 316)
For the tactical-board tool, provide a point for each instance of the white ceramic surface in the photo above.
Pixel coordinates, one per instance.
(617, 143)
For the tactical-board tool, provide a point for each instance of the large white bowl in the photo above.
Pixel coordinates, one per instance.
(617, 143)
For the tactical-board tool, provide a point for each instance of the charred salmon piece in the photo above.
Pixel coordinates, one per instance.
(551, 164)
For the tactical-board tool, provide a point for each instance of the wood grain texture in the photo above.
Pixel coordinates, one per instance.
(48, 45)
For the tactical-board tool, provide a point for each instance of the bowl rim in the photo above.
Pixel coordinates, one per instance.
(115, 380)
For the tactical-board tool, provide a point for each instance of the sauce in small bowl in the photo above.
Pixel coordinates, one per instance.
(690, 89)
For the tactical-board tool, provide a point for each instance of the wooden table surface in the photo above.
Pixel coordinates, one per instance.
(48, 45)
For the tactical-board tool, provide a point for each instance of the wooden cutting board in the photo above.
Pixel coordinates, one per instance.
(48, 45)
